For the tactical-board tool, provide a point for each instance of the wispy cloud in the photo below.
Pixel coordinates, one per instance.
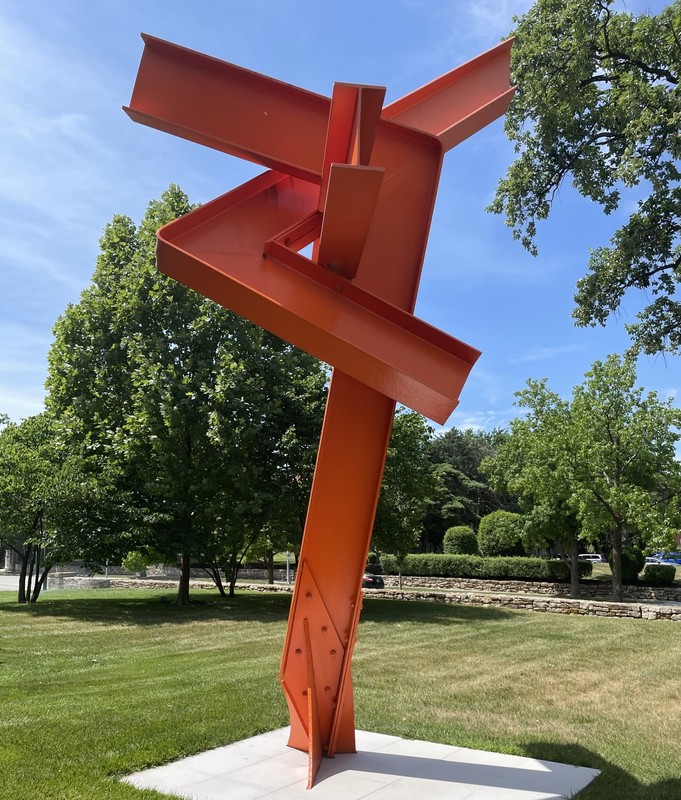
(20, 403)
(53, 154)
(22, 369)
(465, 29)
(24, 253)
(492, 17)
(547, 353)
(485, 420)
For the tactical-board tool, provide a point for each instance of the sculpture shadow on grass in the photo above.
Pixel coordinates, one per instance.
(613, 782)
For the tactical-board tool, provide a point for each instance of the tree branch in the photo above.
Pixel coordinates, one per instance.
(617, 55)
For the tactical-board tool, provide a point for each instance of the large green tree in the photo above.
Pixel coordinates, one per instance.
(461, 494)
(45, 503)
(602, 465)
(208, 419)
(408, 483)
(598, 102)
(532, 464)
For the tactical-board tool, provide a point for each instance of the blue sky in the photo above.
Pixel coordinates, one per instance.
(70, 159)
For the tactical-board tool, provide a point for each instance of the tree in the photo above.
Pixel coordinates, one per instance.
(44, 498)
(202, 415)
(407, 484)
(461, 540)
(531, 464)
(598, 101)
(462, 494)
(604, 463)
(500, 534)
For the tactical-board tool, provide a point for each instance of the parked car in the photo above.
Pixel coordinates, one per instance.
(370, 581)
(669, 558)
(654, 560)
(596, 558)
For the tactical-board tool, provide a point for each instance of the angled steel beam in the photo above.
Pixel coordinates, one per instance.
(360, 182)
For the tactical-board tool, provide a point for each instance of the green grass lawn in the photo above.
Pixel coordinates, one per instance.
(97, 684)
(602, 572)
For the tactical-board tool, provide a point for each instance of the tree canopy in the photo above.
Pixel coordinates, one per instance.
(46, 503)
(602, 464)
(461, 493)
(209, 422)
(598, 101)
(408, 482)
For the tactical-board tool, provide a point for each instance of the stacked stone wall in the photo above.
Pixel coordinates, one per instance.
(552, 605)
(664, 594)
(525, 602)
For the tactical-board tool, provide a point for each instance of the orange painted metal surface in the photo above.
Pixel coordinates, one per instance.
(358, 181)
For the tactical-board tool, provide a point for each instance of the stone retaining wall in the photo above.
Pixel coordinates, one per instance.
(552, 605)
(664, 594)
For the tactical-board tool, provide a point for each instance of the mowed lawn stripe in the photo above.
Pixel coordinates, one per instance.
(97, 684)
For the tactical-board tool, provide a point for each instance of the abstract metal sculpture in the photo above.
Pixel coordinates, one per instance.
(359, 181)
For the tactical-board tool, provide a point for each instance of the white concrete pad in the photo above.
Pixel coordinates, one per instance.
(384, 768)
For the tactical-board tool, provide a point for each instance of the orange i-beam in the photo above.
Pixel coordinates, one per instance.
(359, 181)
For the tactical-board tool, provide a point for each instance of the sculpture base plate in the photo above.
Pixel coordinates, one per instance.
(263, 767)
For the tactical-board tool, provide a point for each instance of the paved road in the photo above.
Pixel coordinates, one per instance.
(9, 582)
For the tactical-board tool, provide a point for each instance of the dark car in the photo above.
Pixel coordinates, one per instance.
(370, 581)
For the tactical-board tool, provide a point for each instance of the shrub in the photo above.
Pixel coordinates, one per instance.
(374, 564)
(659, 574)
(500, 534)
(461, 540)
(632, 563)
(135, 562)
(447, 565)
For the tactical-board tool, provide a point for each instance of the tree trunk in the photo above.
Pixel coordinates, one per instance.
(40, 583)
(183, 588)
(214, 573)
(574, 569)
(34, 583)
(233, 571)
(269, 555)
(617, 564)
(32, 550)
(22, 575)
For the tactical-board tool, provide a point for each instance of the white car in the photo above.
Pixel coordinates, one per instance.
(595, 558)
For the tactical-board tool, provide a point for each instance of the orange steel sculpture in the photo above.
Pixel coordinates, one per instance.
(359, 181)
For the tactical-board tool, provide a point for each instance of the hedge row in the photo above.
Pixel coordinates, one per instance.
(659, 574)
(444, 565)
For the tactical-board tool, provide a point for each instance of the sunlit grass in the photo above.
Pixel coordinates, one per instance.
(96, 684)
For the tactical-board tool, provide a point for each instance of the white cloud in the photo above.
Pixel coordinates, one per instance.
(24, 253)
(493, 18)
(20, 403)
(52, 156)
(486, 420)
(547, 353)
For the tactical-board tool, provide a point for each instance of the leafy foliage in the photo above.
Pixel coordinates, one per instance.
(446, 565)
(461, 540)
(605, 461)
(633, 562)
(408, 482)
(598, 101)
(208, 422)
(45, 502)
(500, 534)
(659, 574)
(462, 493)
